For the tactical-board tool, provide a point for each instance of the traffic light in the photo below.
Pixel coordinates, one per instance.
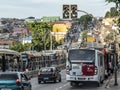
(66, 11)
(74, 12)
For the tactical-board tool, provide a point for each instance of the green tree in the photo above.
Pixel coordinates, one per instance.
(113, 12)
(85, 19)
(84, 38)
(41, 36)
(84, 35)
(117, 3)
(110, 36)
(107, 15)
(17, 46)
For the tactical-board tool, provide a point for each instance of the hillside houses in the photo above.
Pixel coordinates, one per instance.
(11, 30)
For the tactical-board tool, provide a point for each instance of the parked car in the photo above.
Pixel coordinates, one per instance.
(49, 74)
(14, 81)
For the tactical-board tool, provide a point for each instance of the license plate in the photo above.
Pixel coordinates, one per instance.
(5, 89)
(45, 78)
(81, 78)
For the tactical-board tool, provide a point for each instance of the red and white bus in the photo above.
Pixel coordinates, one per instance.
(85, 65)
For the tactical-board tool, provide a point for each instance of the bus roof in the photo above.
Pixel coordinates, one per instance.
(8, 51)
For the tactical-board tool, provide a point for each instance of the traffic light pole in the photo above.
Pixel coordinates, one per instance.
(85, 13)
(115, 69)
(115, 61)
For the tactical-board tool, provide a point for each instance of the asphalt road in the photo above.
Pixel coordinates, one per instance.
(64, 85)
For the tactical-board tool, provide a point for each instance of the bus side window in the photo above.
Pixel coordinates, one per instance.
(101, 60)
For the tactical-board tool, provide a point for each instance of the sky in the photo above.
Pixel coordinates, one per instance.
(38, 8)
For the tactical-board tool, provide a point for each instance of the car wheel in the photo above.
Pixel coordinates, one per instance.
(22, 88)
(44, 81)
(60, 80)
(55, 81)
(72, 84)
(39, 82)
(30, 87)
(98, 84)
(102, 81)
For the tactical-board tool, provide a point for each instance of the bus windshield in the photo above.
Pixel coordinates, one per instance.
(81, 55)
(24, 55)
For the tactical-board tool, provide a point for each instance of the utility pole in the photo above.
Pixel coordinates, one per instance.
(3, 63)
(50, 40)
(115, 65)
(113, 47)
(115, 69)
(44, 39)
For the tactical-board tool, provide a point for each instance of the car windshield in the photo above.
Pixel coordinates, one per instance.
(47, 70)
(82, 55)
(8, 76)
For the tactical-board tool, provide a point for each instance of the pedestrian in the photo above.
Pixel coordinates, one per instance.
(110, 68)
(110, 74)
(108, 82)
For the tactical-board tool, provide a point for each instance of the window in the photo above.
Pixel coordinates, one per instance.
(47, 69)
(82, 55)
(100, 58)
(8, 76)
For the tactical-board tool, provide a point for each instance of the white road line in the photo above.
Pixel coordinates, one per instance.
(62, 86)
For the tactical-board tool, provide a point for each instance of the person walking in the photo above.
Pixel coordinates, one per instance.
(110, 68)
(110, 74)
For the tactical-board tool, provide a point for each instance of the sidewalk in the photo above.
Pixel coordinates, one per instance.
(111, 85)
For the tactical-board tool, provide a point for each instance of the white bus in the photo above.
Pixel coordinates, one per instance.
(85, 65)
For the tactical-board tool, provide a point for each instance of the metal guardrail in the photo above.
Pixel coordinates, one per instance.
(31, 74)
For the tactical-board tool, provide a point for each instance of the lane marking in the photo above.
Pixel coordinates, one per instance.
(62, 86)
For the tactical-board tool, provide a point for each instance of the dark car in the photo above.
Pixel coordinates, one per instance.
(49, 74)
(14, 81)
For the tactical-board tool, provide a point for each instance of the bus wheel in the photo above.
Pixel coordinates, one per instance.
(72, 84)
(102, 81)
(98, 84)
(39, 82)
(44, 81)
